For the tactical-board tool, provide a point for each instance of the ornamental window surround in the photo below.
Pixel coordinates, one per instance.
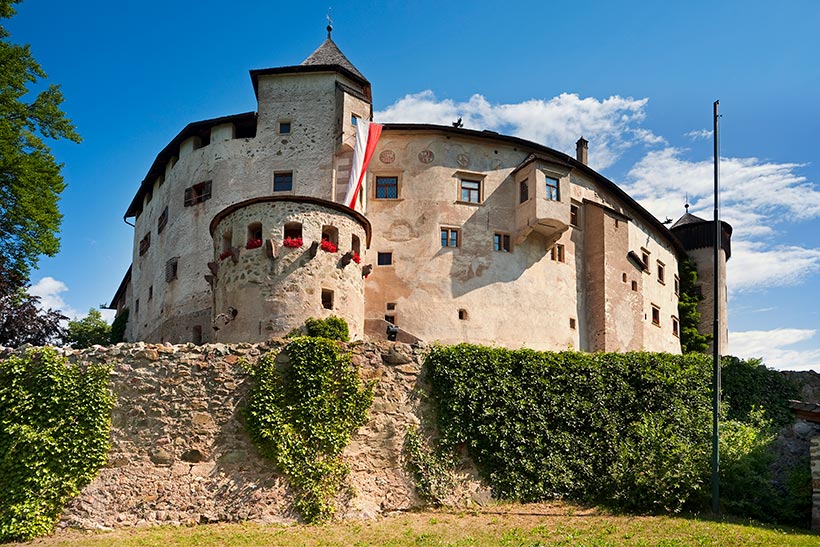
(283, 181)
(450, 237)
(387, 187)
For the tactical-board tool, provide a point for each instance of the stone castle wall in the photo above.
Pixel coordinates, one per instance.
(180, 454)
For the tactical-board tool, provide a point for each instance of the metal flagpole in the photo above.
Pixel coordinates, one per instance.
(716, 293)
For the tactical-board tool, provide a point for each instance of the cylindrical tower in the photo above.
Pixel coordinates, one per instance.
(698, 238)
(279, 260)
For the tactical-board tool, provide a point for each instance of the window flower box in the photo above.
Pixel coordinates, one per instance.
(225, 254)
(356, 258)
(328, 246)
(253, 244)
(292, 242)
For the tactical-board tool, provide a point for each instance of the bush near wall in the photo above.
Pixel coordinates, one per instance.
(630, 430)
(54, 435)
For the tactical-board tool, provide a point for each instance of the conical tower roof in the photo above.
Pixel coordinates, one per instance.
(330, 54)
(687, 218)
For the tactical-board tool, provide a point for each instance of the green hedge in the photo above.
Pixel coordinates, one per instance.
(627, 429)
(54, 434)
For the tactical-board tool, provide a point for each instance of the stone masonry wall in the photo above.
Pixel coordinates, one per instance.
(180, 454)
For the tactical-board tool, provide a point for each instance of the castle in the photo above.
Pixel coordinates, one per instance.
(241, 232)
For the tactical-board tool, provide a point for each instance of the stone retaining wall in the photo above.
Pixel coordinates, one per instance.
(180, 454)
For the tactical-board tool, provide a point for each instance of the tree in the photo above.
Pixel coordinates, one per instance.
(30, 180)
(21, 319)
(88, 331)
(691, 339)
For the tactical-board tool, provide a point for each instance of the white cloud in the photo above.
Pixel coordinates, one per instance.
(610, 125)
(50, 292)
(699, 134)
(770, 346)
(757, 265)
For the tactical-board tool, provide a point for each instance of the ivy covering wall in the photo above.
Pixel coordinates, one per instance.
(54, 435)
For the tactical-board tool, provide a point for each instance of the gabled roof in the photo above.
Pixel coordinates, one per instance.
(330, 54)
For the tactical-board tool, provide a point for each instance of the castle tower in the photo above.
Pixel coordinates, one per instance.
(698, 238)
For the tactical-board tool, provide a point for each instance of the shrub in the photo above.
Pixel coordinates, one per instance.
(302, 410)
(334, 328)
(626, 429)
(748, 386)
(118, 327)
(88, 331)
(54, 434)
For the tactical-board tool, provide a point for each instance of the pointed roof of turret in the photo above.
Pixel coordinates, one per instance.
(330, 54)
(687, 218)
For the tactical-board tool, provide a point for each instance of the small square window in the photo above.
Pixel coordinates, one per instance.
(387, 187)
(198, 193)
(390, 319)
(462, 315)
(384, 259)
(634, 285)
(501, 242)
(572, 323)
(354, 120)
(552, 189)
(391, 306)
(283, 182)
(449, 237)
(573, 215)
(656, 315)
(471, 191)
(284, 128)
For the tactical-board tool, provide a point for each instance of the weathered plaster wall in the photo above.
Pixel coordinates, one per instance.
(180, 454)
(704, 261)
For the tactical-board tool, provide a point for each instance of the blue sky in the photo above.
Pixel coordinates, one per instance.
(635, 78)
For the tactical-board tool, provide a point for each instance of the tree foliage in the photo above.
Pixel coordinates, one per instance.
(118, 327)
(21, 319)
(88, 331)
(54, 435)
(30, 180)
(691, 339)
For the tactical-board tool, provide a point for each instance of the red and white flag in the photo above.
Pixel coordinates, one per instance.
(367, 135)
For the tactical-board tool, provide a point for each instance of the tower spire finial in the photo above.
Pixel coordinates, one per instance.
(329, 21)
(686, 205)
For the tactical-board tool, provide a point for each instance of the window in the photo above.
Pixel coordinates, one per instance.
(557, 253)
(226, 242)
(387, 187)
(523, 191)
(634, 285)
(471, 191)
(661, 272)
(677, 285)
(623, 277)
(552, 189)
(462, 314)
(150, 292)
(327, 299)
(331, 234)
(293, 230)
(572, 323)
(391, 306)
(390, 319)
(284, 128)
(283, 182)
(198, 193)
(136, 308)
(254, 240)
(656, 315)
(171, 268)
(449, 237)
(645, 259)
(354, 120)
(196, 334)
(384, 259)
(145, 243)
(675, 326)
(501, 242)
(162, 220)
(573, 215)
(355, 246)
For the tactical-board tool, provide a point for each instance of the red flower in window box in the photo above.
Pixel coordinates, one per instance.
(328, 247)
(356, 258)
(253, 244)
(225, 254)
(292, 242)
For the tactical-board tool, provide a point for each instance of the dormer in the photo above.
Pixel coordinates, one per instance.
(542, 199)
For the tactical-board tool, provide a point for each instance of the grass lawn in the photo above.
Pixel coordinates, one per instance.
(530, 525)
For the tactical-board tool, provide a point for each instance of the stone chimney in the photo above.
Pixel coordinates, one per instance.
(582, 150)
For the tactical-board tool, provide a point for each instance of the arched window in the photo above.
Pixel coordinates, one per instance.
(227, 240)
(254, 236)
(355, 245)
(330, 233)
(293, 230)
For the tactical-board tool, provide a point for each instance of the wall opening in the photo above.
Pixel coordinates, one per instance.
(462, 314)
(196, 334)
(330, 233)
(254, 235)
(327, 299)
(355, 244)
(293, 230)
